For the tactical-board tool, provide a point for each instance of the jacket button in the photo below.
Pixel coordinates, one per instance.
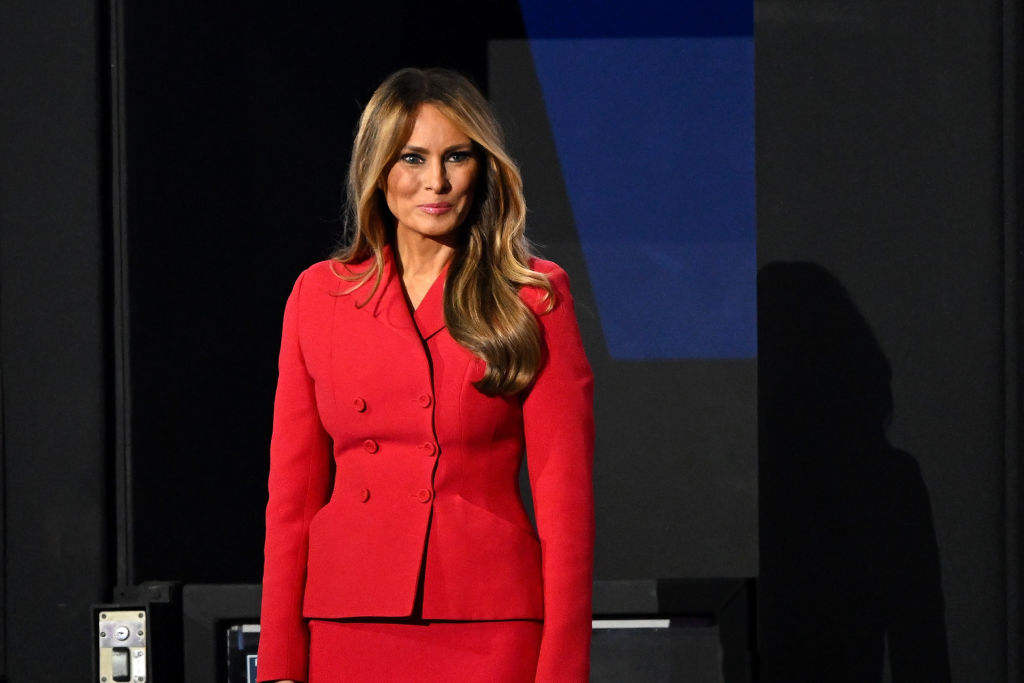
(371, 446)
(359, 404)
(425, 400)
(428, 448)
(424, 495)
(364, 495)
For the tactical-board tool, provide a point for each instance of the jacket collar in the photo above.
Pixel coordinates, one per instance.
(429, 315)
(390, 305)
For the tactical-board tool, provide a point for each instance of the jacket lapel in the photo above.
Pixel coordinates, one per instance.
(429, 315)
(390, 305)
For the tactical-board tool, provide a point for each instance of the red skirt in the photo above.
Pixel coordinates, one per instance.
(388, 651)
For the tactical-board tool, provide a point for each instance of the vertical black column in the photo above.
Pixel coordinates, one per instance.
(52, 337)
(1013, 154)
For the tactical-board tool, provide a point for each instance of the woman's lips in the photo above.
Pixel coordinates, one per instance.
(435, 209)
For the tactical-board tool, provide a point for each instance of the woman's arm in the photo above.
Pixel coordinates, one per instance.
(559, 426)
(300, 455)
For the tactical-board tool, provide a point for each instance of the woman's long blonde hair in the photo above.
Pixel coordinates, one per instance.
(482, 307)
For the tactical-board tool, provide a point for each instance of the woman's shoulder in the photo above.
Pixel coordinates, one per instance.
(537, 297)
(316, 277)
(549, 268)
(331, 276)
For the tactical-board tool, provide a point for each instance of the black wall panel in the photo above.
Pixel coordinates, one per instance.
(54, 340)
(880, 161)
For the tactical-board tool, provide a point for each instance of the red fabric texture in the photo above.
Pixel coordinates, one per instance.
(467, 652)
(385, 457)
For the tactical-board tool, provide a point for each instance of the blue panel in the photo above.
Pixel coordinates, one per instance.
(638, 18)
(656, 141)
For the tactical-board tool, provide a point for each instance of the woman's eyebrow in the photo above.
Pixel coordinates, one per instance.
(423, 150)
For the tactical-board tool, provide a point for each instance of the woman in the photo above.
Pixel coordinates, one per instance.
(416, 367)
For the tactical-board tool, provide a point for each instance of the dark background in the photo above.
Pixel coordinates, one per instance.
(887, 148)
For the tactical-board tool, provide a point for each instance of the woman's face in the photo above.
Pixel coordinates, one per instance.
(430, 186)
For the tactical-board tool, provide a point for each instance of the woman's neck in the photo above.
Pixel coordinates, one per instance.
(419, 262)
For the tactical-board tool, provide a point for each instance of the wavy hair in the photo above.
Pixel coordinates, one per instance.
(482, 307)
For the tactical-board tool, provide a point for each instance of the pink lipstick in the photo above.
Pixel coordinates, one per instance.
(436, 209)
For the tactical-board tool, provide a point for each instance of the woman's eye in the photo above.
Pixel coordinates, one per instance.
(459, 157)
(411, 158)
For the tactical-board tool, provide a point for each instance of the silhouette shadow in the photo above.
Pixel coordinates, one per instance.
(849, 561)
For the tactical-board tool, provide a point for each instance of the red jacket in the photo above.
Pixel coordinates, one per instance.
(379, 437)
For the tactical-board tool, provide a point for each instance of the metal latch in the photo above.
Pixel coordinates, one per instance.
(122, 643)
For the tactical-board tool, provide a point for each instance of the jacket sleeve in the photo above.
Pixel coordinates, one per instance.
(559, 428)
(300, 454)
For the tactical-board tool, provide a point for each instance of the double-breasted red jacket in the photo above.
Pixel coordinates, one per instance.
(387, 465)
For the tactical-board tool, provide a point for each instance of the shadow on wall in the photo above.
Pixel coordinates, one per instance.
(849, 561)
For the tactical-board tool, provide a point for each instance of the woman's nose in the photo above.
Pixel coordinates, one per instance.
(437, 177)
